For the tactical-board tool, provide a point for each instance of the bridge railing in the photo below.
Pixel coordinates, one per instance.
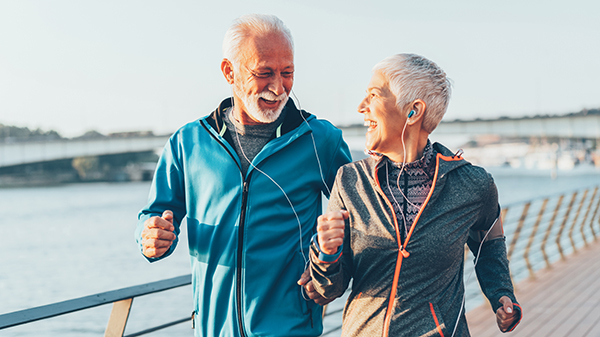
(121, 299)
(20, 153)
(542, 231)
(539, 232)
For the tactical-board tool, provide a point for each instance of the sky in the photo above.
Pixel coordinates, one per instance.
(149, 65)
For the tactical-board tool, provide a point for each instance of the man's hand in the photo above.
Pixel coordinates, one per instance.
(158, 235)
(506, 315)
(306, 282)
(330, 231)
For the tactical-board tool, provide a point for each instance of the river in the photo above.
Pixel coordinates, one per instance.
(67, 241)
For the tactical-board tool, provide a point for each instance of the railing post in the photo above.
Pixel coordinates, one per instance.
(503, 215)
(513, 243)
(532, 237)
(549, 230)
(587, 212)
(593, 217)
(118, 318)
(562, 226)
(585, 193)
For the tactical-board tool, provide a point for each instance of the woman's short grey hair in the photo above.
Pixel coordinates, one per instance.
(413, 77)
(247, 25)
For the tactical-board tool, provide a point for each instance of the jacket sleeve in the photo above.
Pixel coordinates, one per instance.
(491, 262)
(167, 192)
(330, 274)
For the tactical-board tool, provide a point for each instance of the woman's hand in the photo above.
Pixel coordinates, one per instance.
(330, 231)
(506, 315)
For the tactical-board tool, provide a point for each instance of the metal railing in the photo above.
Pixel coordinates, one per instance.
(551, 229)
(539, 232)
(542, 231)
(121, 299)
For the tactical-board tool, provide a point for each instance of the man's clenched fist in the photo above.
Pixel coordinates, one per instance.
(158, 235)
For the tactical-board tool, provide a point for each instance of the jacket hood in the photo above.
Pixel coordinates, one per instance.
(448, 161)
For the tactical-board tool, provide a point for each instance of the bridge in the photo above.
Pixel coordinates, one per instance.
(581, 125)
(585, 124)
(19, 153)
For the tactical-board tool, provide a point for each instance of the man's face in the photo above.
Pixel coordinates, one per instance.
(264, 78)
(382, 116)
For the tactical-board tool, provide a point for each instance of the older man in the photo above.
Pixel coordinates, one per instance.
(248, 179)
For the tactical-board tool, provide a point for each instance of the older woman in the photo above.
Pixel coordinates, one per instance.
(397, 222)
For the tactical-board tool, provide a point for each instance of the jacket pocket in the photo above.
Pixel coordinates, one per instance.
(439, 323)
(309, 309)
(424, 320)
(306, 304)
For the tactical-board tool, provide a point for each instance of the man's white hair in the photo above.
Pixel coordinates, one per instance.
(413, 77)
(247, 25)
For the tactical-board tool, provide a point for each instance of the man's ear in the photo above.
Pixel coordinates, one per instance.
(227, 70)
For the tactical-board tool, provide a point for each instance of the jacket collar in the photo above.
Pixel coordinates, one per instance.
(293, 118)
(446, 161)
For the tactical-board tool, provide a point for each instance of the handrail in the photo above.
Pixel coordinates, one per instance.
(87, 302)
(535, 243)
(544, 230)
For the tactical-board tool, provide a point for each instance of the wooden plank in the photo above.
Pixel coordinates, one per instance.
(562, 301)
(118, 318)
(549, 305)
(482, 319)
(552, 306)
(585, 318)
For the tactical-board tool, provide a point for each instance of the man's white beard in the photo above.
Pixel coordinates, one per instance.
(266, 115)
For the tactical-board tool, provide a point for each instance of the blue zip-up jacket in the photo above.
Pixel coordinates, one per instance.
(246, 246)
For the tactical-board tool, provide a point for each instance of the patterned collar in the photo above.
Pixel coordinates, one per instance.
(424, 163)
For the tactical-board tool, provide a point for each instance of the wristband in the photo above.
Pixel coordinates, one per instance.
(325, 258)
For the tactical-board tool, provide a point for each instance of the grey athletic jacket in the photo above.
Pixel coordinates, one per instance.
(412, 288)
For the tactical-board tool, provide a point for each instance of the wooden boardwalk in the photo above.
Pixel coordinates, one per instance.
(561, 301)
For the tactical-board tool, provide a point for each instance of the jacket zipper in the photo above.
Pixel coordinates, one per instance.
(402, 252)
(238, 270)
(387, 317)
(238, 285)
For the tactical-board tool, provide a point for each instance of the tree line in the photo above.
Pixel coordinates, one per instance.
(15, 133)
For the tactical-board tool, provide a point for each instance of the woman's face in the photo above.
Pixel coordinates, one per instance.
(382, 116)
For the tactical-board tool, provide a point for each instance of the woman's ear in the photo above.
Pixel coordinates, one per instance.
(417, 110)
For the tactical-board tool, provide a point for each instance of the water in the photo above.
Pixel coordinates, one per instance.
(515, 185)
(64, 242)
(69, 241)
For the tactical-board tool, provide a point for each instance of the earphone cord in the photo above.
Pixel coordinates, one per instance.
(306, 261)
(387, 176)
(314, 144)
(405, 228)
(403, 167)
(471, 274)
(396, 201)
(237, 136)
